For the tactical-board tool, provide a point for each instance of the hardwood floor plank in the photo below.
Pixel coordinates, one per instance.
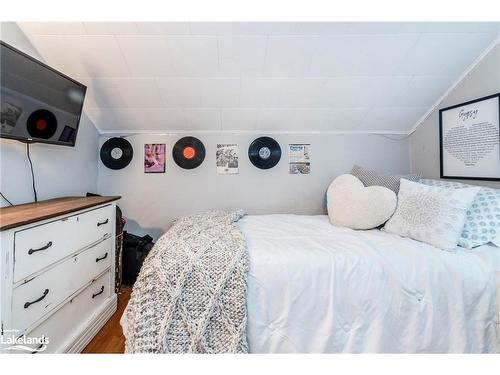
(110, 339)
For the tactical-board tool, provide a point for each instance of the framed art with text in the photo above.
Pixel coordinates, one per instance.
(469, 139)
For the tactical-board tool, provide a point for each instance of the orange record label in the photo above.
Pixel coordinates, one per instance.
(41, 124)
(189, 152)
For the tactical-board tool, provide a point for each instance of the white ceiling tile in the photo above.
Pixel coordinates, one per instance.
(168, 119)
(322, 28)
(391, 118)
(53, 28)
(350, 92)
(139, 93)
(359, 55)
(194, 56)
(241, 55)
(242, 28)
(239, 118)
(205, 28)
(338, 28)
(103, 119)
(127, 119)
(100, 93)
(462, 27)
(84, 56)
(345, 119)
(310, 119)
(423, 91)
(147, 55)
(282, 76)
(445, 54)
(387, 90)
(302, 92)
(164, 28)
(111, 28)
(123, 92)
(289, 55)
(260, 92)
(180, 92)
(320, 119)
(220, 92)
(367, 28)
(275, 119)
(202, 119)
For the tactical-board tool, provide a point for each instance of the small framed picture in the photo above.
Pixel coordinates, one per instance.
(469, 138)
(154, 158)
(299, 158)
(226, 158)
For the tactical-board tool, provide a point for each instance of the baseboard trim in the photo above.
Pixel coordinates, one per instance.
(93, 326)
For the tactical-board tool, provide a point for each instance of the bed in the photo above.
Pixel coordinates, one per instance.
(316, 288)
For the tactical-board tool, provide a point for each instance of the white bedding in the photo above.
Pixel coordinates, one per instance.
(313, 287)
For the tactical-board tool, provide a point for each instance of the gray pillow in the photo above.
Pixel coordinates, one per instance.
(372, 178)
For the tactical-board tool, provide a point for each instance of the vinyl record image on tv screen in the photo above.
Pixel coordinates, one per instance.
(38, 103)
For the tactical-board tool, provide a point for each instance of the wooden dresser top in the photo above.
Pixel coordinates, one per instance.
(16, 216)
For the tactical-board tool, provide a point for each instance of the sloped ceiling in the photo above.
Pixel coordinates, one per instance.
(299, 77)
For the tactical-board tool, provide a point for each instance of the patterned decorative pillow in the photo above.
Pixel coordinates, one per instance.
(431, 214)
(372, 178)
(483, 216)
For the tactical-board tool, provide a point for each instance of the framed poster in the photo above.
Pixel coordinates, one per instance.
(299, 158)
(469, 140)
(226, 158)
(154, 158)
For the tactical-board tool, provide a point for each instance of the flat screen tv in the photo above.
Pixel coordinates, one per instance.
(38, 103)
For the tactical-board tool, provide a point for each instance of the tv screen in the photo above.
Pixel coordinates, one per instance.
(38, 103)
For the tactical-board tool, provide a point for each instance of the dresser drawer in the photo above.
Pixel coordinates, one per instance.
(38, 247)
(73, 317)
(36, 298)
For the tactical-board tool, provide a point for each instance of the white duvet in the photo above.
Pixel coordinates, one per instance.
(313, 287)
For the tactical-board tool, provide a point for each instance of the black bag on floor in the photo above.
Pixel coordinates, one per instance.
(135, 249)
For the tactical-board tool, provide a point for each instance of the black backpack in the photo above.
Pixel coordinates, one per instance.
(135, 250)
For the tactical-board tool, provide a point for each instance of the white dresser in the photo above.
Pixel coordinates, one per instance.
(57, 273)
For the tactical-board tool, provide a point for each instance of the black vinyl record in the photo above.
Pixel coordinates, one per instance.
(42, 124)
(264, 152)
(188, 152)
(116, 153)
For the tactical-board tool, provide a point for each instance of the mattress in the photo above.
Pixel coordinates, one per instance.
(313, 287)
(316, 288)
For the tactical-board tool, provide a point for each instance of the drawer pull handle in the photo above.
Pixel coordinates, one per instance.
(103, 222)
(96, 294)
(101, 258)
(28, 304)
(31, 251)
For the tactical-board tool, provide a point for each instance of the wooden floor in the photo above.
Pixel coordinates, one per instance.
(110, 338)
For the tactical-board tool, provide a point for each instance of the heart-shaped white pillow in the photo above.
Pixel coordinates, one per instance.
(352, 205)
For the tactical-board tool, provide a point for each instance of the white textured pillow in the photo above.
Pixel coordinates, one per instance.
(431, 214)
(352, 205)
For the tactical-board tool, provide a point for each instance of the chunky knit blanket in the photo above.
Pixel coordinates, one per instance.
(190, 296)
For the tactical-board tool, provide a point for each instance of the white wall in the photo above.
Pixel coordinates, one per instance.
(424, 142)
(59, 171)
(151, 201)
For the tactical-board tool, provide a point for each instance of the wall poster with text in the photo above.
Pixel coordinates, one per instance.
(227, 158)
(469, 135)
(299, 158)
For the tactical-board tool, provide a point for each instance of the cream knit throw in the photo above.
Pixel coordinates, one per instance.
(190, 296)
